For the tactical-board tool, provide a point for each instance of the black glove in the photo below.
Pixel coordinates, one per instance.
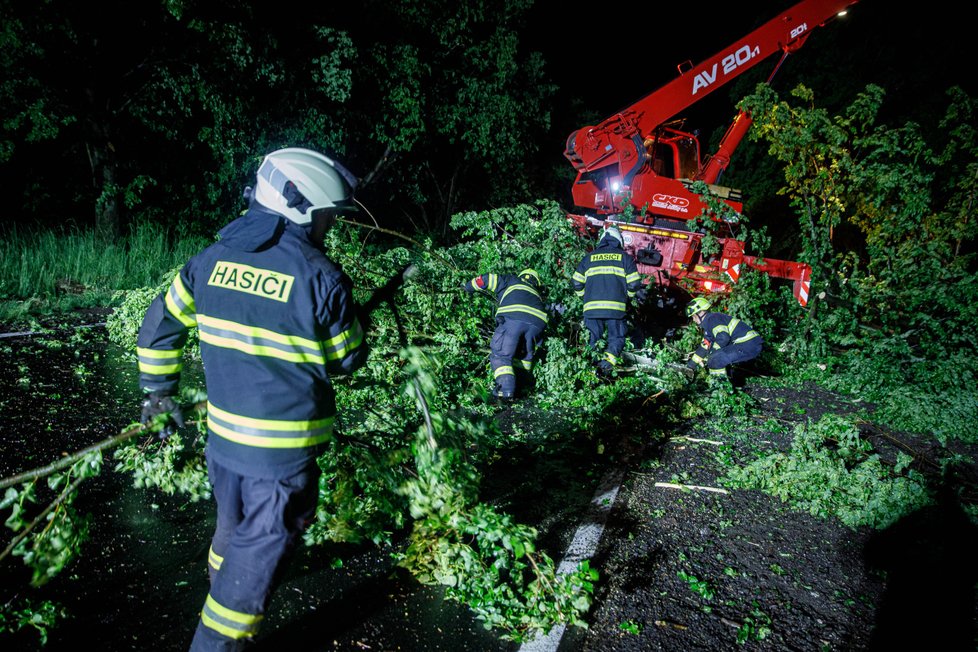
(692, 365)
(641, 296)
(156, 403)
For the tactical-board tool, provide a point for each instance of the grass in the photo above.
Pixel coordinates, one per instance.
(45, 271)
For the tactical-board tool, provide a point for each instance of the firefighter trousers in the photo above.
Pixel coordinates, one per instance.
(734, 353)
(616, 329)
(512, 339)
(259, 523)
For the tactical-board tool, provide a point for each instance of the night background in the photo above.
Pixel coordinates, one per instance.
(827, 500)
(162, 112)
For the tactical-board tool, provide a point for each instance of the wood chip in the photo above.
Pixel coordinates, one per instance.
(670, 485)
(698, 441)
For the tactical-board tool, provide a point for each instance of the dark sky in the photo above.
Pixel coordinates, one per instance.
(612, 54)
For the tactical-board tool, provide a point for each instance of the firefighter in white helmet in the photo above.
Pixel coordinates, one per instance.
(607, 279)
(275, 318)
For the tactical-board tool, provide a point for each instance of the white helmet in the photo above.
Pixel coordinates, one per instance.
(616, 234)
(295, 182)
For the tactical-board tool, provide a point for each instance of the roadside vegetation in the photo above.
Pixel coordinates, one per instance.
(417, 427)
(885, 217)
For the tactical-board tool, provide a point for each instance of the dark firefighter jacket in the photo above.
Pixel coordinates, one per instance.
(719, 331)
(517, 299)
(606, 279)
(274, 317)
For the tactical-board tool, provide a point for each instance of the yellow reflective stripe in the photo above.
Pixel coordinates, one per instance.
(527, 364)
(580, 292)
(161, 354)
(339, 347)
(698, 360)
(233, 624)
(492, 281)
(726, 328)
(180, 303)
(730, 327)
(722, 371)
(749, 336)
(159, 362)
(604, 305)
(521, 307)
(268, 433)
(610, 358)
(520, 286)
(634, 276)
(578, 277)
(238, 345)
(258, 341)
(263, 333)
(160, 369)
(518, 307)
(502, 371)
(214, 559)
(611, 270)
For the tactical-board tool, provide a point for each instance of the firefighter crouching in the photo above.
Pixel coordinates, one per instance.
(275, 319)
(726, 340)
(521, 319)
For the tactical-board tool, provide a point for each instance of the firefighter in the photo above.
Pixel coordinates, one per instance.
(276, 318)
(726, 340)
(606, 279)
(521, 319)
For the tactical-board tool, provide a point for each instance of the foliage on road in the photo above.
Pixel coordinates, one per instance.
(890, 323)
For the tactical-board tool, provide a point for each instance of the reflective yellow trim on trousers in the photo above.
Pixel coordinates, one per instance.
(232, 624)
(502, 371)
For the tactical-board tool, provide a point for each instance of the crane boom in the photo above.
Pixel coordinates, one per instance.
(636, 159)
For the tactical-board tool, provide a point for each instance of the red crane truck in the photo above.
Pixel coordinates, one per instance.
(636, 168)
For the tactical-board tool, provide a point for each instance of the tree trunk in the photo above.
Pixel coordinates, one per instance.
(107, 206)
(102, 159)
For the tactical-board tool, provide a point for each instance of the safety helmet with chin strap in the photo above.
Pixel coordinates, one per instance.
(530, 276)
(295, 182)
(697, 305)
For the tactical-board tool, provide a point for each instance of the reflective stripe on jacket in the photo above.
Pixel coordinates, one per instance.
(719, 331)
(275, 318)
(606, 279)
(517, 299)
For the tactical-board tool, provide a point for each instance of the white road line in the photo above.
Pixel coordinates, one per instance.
(583, 545)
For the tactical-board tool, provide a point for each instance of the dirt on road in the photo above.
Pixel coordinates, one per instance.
(685, 563)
